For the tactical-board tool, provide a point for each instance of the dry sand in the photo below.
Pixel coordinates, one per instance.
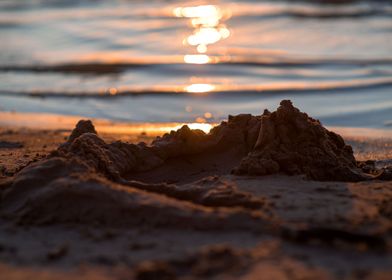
(67, 215)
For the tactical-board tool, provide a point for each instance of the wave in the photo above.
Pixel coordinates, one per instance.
(319, 14)
(91, 68)
(109, 67)
(331, 87)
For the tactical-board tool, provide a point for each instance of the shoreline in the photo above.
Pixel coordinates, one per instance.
(47, 121)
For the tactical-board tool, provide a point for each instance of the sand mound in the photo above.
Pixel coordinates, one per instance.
(88, 180)
(232, 140)
(293, 143)
(83, 126)
(59, 190)
(286, 141)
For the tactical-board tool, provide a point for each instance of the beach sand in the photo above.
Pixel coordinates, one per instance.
(69, 216)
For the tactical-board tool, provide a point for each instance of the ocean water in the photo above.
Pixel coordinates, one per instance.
(197, 61)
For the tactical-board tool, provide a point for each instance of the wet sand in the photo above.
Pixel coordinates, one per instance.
(211, 225)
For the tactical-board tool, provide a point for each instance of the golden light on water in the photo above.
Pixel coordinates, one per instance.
(200, 120)
(208, 115)
(113, 91)
(199, 88)
(203, 11)
(208, 26)
(207, 36)
(207, 21)
(197, 58)
(202, 48)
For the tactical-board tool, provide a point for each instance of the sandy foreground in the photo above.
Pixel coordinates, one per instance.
(278, 226)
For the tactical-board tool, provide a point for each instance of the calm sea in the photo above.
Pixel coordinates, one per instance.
(197, 61)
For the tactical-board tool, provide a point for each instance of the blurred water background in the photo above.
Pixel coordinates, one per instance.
(197, 61)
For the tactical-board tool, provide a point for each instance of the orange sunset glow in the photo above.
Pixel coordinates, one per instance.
(195, 140)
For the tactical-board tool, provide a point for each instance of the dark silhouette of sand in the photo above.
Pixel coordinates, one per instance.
(275, 196)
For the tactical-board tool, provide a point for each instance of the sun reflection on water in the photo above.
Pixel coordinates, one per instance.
(209, 28)
(199, 88)
(197, 58)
